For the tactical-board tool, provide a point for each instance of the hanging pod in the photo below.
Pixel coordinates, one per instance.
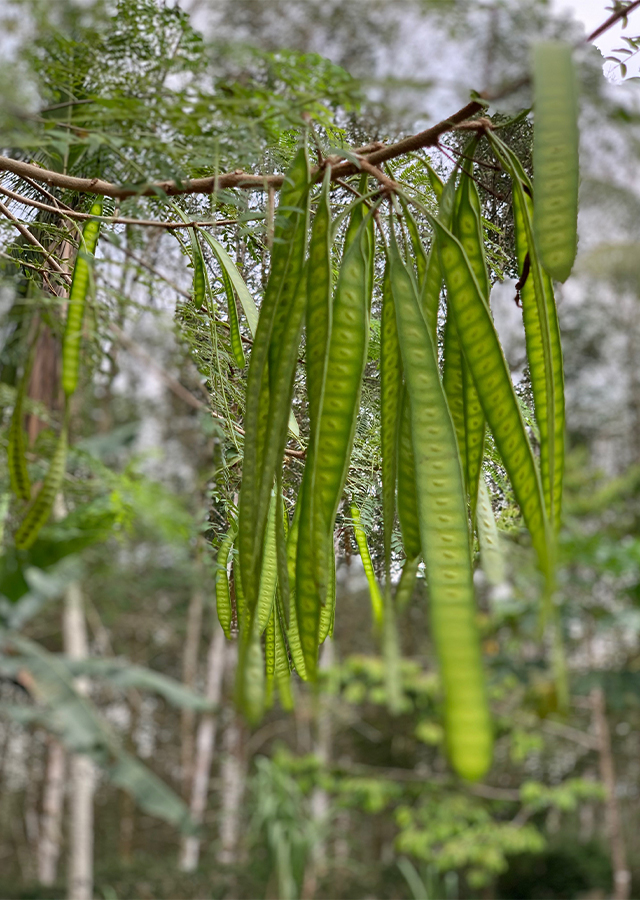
(461, 392)
(390, 406)
(328, 611)
(223, 595)
(292, 630)
(313, 554)
(277, 661)
(271, 371)
(77, 301)
(345, 362)
(542, 334)
(432, 287)
(250, 687)
(444, 535)
(377, 606)
(38, 512)
(407, 499)
(483, 353)
(491, 556)
(269, 574)
(555, 157)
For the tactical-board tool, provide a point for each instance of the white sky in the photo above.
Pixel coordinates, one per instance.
(592, 13)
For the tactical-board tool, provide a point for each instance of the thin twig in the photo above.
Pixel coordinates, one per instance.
(619, 14)
(21, 262)
(32, 239)
(115, 220)
(38, 187)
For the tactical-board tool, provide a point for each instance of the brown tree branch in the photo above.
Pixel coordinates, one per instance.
(237, 179)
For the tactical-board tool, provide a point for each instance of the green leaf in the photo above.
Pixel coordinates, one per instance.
(77, 723)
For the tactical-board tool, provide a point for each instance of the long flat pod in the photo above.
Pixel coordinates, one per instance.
(390, 400)
(419, 255)
(346, 360)
(432, 286)
(250, 684)
(486, 361)
(555, 157)
(270, 656)
(468, 229)
(319, 287)
(453, 382)
(328, 611)
(312, 551)
(77, 301)
(282, 668)
(292, 631)
(445, 538)
(542, 335)
(269, 574)
(286, 260)
(491, 556)
(39, 511)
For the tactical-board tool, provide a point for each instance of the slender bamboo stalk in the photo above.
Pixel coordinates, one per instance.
(189, 672)
(51, 818)
(621, 873)
(82, 771)
(205, 745)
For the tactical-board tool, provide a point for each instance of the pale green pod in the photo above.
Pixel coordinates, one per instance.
(77, 302)
(491, 555)
(269, 575)
(444, 533)
(555, 157)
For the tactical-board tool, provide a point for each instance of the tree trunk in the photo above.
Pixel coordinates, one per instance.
(189, 672)
(621, 873)
(205, 743)
(51, 819)
(82, 774)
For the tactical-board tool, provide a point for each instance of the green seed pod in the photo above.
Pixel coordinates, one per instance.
(555, 157)
(77, 302)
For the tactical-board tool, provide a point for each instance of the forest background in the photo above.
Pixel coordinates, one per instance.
(110, 642)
